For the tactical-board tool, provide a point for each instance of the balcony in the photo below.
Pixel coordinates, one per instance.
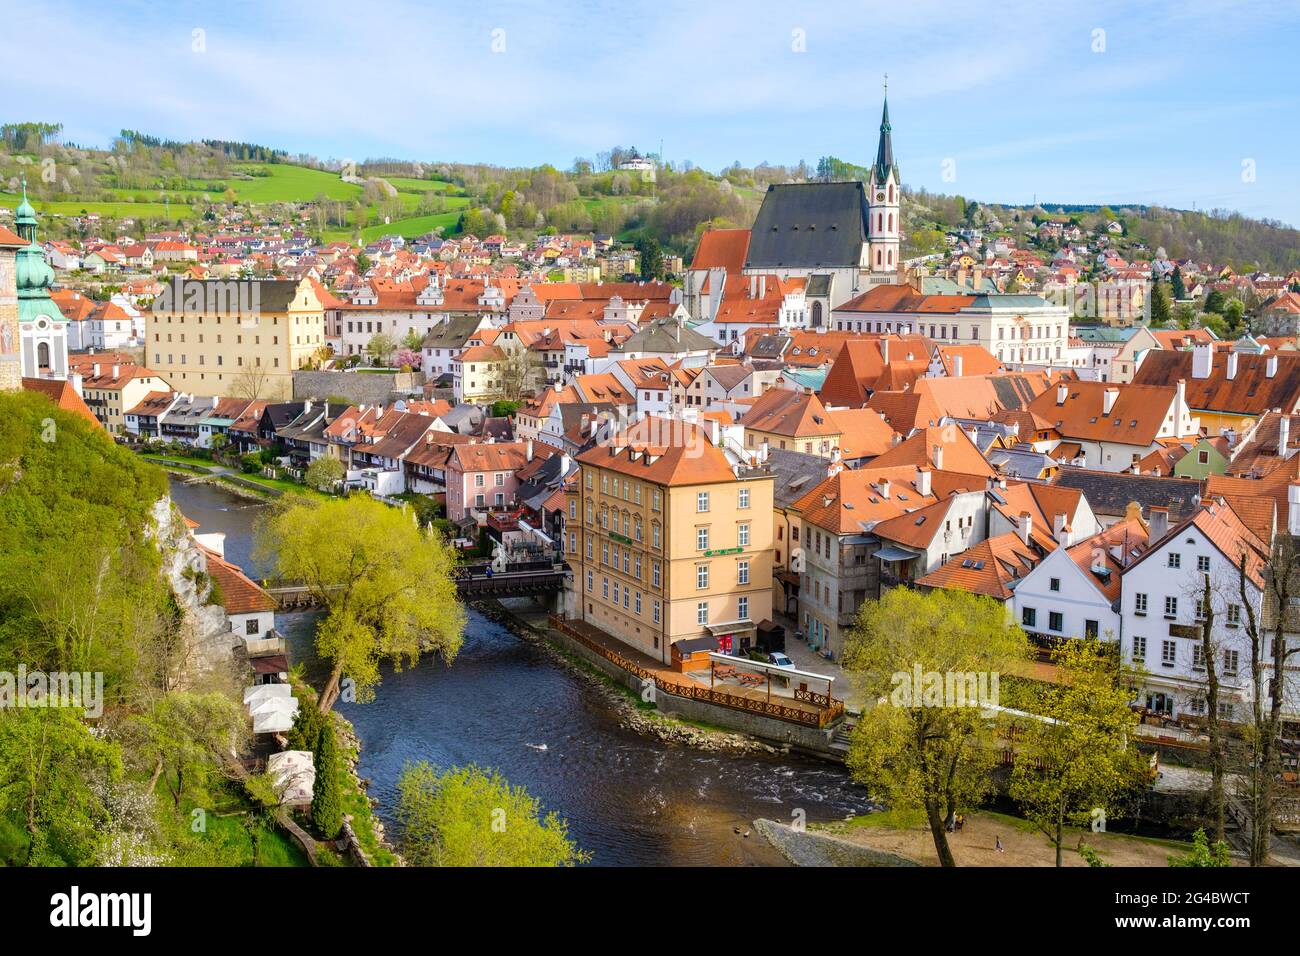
(267, 646)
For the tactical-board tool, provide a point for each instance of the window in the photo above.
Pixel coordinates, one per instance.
(1168, 653)
(1139, 650)
(1230, 663)
(701, 576)
(743, 498)
(637, 565)
(1029, 617)
(1054, 584)
(655, 610)
(742, 607)
(701, 539)
(1175, 559)
(702, 501)
(1171, 606)
(604, 552)
(627, 592)
(702, 613)
(591, 579)
(480, 480)
(1055, 621)
(252, 626)
(604, 587)
(615, 592)
(1200, 609)
(1234, 615)
(1203, 563)
(590, 545)
(499, 479)
(1139, 603)
(654, 499)
(1198, 657)
(742, 573)
(637, 602)
(654, 573)
(742, 535)
(654, 534)
(1090, 629)
(573, 510)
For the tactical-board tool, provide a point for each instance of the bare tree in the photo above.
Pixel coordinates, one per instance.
(1218, 750)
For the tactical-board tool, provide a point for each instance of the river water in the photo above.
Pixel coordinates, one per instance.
(504, 704)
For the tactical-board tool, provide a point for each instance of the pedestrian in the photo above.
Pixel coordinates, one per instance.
(961, 820)
(999, 844)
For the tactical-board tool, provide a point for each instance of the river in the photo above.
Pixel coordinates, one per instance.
(505, 704)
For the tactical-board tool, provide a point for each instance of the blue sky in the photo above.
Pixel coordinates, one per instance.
(1177, 103)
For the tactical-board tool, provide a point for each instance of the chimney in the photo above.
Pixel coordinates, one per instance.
(1025, 526)
(884, 350)
(956, 366)
(94, 370)
(1108, 397)
(1270, 366)
(1293, 508)
(116, 370)
(884, 488)
(1158, 523)
(1062, 393)
(1283, 434)
(528, 450)
(1058, 527)
(762, 287)
(923, 481)
(1232, 365)
(306, 406)
(938, 457)
(1202, 360)
(753, 286)
(763, 451)
(715, 432)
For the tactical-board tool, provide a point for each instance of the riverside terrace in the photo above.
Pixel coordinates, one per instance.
(798, 697)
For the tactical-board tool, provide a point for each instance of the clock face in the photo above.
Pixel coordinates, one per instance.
(880, 197)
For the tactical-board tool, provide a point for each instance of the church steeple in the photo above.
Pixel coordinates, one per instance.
(885, 151)
(25, 217)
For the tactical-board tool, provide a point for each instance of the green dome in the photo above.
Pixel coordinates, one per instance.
(31, 272)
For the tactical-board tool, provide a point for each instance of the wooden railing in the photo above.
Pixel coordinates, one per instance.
(828, 712)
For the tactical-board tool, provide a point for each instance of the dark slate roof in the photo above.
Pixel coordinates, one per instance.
(819, 285)
(1110, 492)
(809, 225)
(453, 333)
(770, 347)
(463, 418)
(282, 413)
(796, 475)
(668, 337)
(264, 295)
(1014, 391)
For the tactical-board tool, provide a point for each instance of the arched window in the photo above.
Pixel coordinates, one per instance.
(817, 315)
(878, 262)
(880, 221)
(891, 222)
(43, 355)
(891, 192)
(891, 257)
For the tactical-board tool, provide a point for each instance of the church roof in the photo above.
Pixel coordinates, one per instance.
(885, 151)
(809, 225)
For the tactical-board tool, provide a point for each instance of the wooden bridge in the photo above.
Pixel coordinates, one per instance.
(472, 581)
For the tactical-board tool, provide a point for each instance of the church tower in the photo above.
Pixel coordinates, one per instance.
(11, 373)
(43, 330)
(883, 195)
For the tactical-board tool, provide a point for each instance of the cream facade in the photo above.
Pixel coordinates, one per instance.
(234, 337)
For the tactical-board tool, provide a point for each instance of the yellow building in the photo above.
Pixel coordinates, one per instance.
(110, 391)
(239, 338)
(791, 420)
(669, 538)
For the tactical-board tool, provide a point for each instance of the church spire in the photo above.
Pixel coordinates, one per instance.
(25, 217)
(885, 151)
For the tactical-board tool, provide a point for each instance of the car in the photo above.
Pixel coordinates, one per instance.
(780, 660)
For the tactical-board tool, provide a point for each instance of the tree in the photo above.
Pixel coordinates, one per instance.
(324, 473)
(49, 765)
(520, 373)
(1204, 854)
(1268, 657)
(1234, 312)
(1161, 313)
(1209, 651)
(385, 584)
(1078, 756)
(380, 348)
(1215, 301)
(650, 257)
(472, 817)
(407, 360)
(184, 738)
(933, 661)
(326, 801)
(363, 263)
(1178, 285)
(252, 384)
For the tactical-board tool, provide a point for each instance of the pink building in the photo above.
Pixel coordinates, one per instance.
(481, 476)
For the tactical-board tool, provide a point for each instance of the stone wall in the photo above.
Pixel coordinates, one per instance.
(359, 388)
